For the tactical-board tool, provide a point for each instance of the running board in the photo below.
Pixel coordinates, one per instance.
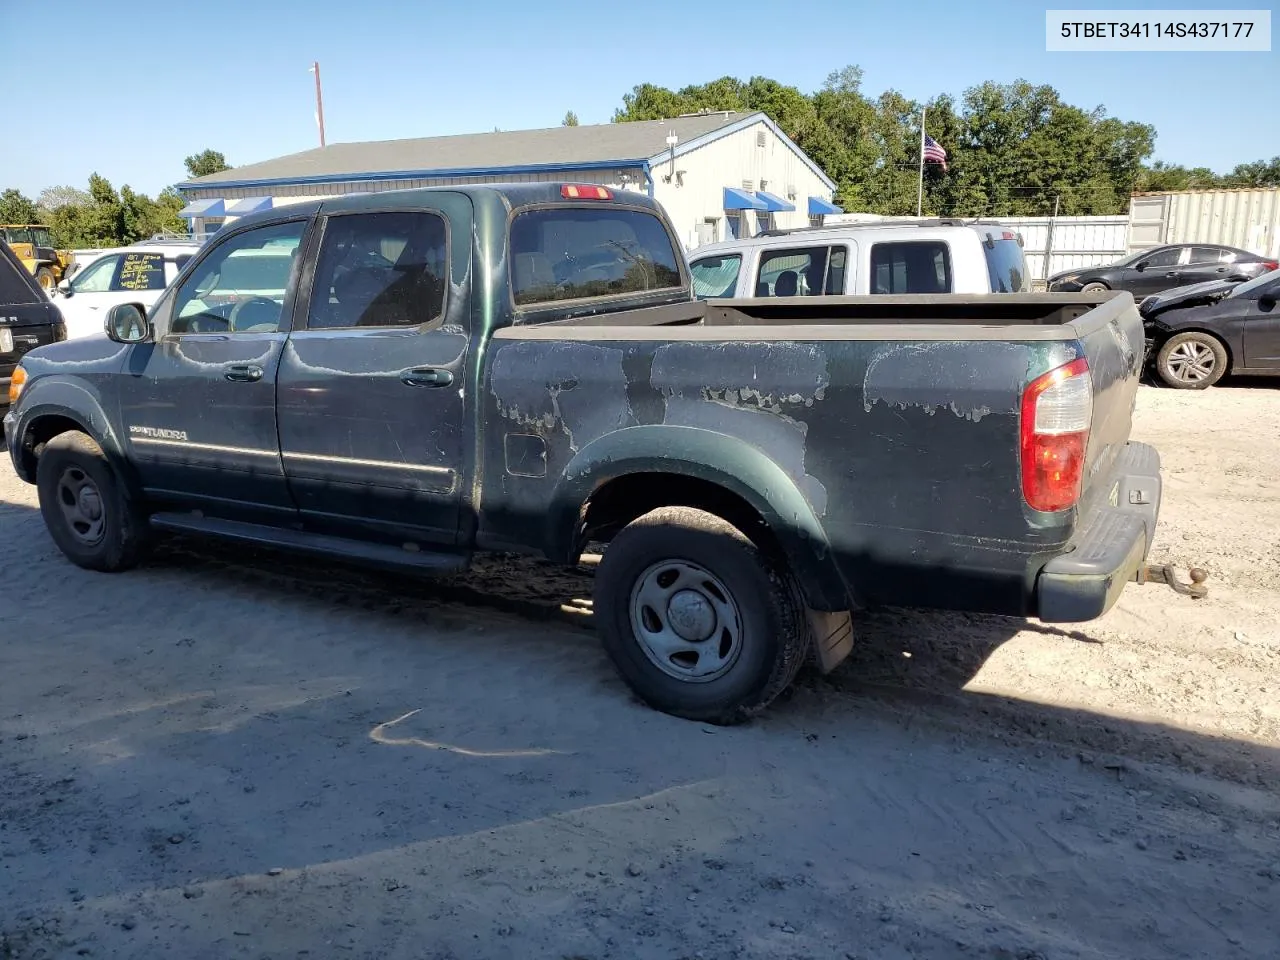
(316, 544)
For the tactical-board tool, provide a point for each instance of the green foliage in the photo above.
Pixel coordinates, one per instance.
(16, 207)
(570, 120)
(1012, 148)
(101, 217)
(206, 162)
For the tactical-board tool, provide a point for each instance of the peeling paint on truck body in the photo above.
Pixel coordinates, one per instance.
(877, 437)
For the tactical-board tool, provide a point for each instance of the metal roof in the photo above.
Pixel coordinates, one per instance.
(601, 145)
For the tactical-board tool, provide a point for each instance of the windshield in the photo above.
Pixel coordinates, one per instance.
(1246, 288)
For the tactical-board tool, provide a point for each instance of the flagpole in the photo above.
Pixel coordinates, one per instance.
(920, 186)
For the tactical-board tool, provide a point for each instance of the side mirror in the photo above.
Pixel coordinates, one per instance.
(1268, 300)
(1140, 265)
(128, 323)
(64, 287)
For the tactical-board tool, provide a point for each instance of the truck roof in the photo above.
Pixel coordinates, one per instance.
(509, 195)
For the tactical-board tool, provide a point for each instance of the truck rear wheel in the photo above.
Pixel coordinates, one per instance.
(84, 505)
(698, 621)
(44, 276)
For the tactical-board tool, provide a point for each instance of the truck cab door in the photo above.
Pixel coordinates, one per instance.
(372, 405)
(198, 405)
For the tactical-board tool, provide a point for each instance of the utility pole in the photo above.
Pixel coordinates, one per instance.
(1048, 240)
(920, 186)
(315, 68)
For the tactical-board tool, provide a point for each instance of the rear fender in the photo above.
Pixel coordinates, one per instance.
(730, 463)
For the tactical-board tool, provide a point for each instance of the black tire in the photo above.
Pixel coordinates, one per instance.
(1191, 361)
(772, 630)
(44, 276)
(1096, 286)
(72, 477)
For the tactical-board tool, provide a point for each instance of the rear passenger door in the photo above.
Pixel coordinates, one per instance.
(812, 271)
(371, 392)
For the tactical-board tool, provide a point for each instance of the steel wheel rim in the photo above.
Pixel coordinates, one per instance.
(686, 621)
(1191, 362)
(81, 504)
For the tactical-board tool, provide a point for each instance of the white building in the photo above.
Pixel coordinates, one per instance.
(718, 175)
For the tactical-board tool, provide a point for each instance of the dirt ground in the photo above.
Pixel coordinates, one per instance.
(223, 755)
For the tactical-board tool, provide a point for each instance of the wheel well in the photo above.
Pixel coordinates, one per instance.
(1164, 336)
(620, 501)
(41, 432)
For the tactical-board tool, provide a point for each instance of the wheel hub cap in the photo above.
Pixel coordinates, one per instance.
(691, 615)
(686, 621)
(81, 505)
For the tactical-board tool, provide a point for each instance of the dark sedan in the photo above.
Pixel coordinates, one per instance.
(1160, 268)
(1196, 334)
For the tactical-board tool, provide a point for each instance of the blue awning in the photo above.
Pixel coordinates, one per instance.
(741, 200)
(203, 208)
(818, 207)
(774, 203)
(248, 205)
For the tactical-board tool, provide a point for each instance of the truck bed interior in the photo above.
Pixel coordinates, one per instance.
(999, 309)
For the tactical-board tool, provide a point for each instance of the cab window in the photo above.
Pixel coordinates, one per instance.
(140, 271)
(96, 277)
(801, 272)
(380, 270)
(911, 266)
(240, 286)
(715, 276)
(573, 253)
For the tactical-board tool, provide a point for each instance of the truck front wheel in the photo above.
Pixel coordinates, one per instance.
(699, 622)
(84, 506)
(46, 279)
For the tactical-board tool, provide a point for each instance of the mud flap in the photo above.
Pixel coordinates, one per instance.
(832, 637)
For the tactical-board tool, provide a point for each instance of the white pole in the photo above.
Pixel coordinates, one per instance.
(920, 187)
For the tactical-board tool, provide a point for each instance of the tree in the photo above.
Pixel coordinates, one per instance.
(570, 120)
(16, 207)
(51, 198)
(204, 163)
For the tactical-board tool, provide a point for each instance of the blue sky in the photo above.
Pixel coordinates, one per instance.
(140, 88)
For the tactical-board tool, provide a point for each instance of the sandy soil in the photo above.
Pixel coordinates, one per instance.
(230, 756)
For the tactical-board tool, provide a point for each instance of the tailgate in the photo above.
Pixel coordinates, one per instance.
(1112, 337)
(23, 327)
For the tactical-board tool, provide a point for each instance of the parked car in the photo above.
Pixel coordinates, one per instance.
(27, 319)
(446, 371)
(1162, 268)
(894, 257)
(136, 274)
(1198, 333)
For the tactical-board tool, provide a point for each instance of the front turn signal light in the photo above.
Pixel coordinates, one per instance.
(16, 383)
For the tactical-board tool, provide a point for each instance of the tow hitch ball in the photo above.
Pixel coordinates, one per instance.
(1164, 573)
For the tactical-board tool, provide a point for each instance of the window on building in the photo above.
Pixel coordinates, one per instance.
(764, 221)
(916, 266)
(578, 254)
(380, 270)
(816, 220)
(733, 226)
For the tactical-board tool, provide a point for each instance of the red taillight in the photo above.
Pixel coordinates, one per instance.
(585, 191)
(1057, 409)
(1271, 265)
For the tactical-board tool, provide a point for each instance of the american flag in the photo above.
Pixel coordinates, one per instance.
(934, 152)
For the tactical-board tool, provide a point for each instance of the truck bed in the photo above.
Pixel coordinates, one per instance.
(988, 316)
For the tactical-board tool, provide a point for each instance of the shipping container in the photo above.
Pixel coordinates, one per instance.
(1248, 219)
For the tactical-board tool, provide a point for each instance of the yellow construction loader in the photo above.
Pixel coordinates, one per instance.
(33, 245)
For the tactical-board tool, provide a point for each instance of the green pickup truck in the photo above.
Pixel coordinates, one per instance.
(409, 378)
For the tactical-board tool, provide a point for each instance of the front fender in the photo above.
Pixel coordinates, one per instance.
(733, 464)
(67, 398)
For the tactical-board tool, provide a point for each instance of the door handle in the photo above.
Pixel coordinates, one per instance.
(426, 377)
(244, 373)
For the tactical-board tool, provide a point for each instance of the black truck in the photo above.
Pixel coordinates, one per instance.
(407, 378)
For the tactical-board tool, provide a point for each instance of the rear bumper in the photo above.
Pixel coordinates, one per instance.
(1086, 580)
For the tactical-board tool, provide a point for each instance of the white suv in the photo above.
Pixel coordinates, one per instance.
(136, 274)
(884, 257)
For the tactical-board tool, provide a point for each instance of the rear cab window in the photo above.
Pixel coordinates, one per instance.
(715, 276)
(561, 254)
(1006, 265)
(910, 266)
